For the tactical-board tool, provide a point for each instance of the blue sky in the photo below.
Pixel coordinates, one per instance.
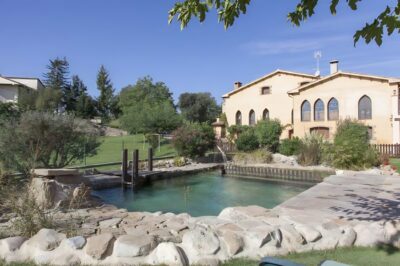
(132, 39)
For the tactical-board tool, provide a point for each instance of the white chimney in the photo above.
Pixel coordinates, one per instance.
(334, 66)
(237, 85)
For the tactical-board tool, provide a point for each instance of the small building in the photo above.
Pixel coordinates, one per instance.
(12, 87)
(306, 103)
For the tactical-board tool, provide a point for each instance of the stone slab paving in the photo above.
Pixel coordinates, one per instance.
(342, 211)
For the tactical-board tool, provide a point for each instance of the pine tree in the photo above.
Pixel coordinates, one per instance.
(105, 100)
(82, 104)
(57, 85)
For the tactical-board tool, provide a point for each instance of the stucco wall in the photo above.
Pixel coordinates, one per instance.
(348, 91)
(277, 102)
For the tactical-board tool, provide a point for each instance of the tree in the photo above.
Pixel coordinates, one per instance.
(148, 107)
(57, 94)
(198, 107)
(388, 21)
(105, 100)
(43, 139)
(268, 133)
(83, 105)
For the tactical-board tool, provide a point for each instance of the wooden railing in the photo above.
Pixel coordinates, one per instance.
(392, 150)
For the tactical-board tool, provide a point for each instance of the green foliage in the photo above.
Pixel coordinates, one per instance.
(290, 147)
(40, 139)
(8, 111)
(198, 107)
(79, 101)
(351, 149)
(153, 140)
(106, 100)
(48, 99)
(57, 85)
(224, 119)
(179, 161)
(193, 139)
(147, 107)
(247, 140)
(388, 21)
(261, 156)
(311, 150)
(268, 133)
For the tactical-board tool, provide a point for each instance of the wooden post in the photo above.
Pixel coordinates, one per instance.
(124, 166)
(135, 165)
(150, 159)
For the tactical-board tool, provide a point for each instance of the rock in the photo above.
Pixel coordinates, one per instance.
(309, 233)
(234, 243)
(133, 246)
(55, 172)
(369, 235)
(113, 223)
(207, 262)
(46, 239)
(348, 237)
(11, 244)
(77, 242)
(229, 227)
(135, 231)
(392, 232)
(201, 241)
(98, 246)
(282, 159)
(49, 193)
(66, 259)
(176, 224)
(290, 237)
(259, 236)
(163, 235)
(168, 254)
(236, 214)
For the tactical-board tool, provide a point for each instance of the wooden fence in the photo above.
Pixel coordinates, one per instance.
(392, 150)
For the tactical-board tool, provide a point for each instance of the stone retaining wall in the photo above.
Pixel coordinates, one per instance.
(286, 174)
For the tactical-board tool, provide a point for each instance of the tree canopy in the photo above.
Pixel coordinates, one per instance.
(387, 22)
(106, 98)
(198, 107)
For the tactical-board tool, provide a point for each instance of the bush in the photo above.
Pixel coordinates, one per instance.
(311, 150)
(153, 140)
(290, 147)
(247, 141)
(193, 139)
(268, 133)
(257, 156)
(351, 149)
(40, 139)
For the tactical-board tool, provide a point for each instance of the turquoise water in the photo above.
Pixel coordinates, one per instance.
(201, 194)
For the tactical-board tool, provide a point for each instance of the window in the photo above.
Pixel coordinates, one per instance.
(265, 114)
(333, 109)
(238, 118)
(323, 131)
(305, 111)
(364, 108)
(319, 112)
(252, 118)
(265, 90)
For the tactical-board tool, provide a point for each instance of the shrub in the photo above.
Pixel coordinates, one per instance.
(311, 150)
(153, 140)
(193, 139)
(268, 133)
(247, 141)
(351, 149)
(257, 156)
(179, 161)
(40, 139)
(290, 147)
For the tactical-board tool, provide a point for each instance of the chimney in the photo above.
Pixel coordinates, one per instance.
(237, 85)
(334, 66)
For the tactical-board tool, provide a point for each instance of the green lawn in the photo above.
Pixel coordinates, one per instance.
(387, 256)
(111, 148)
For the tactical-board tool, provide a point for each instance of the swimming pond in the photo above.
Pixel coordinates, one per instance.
(201, 194)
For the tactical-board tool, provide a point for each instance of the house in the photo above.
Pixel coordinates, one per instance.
(306, 103)
(13, 87)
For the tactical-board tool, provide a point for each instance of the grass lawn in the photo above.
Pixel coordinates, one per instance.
(395, 162)
(387, 256)
(111, 148)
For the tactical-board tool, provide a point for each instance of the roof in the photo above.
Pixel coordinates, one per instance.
(278, 71)
(25, 78)
(341, 74)
(13, 82)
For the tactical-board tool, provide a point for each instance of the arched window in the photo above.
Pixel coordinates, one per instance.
(265, 114)
(333, 109)
(252, 118)
(238, 118)
(364, 108)
(305, 111)
(319, 112)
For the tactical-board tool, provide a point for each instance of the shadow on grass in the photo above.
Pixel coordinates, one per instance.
(388, 249)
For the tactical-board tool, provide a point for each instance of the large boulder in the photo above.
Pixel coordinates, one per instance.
(168, 254)
(236, 214)
(133, 246)
(201, 240)
(11, 244)
(259, 236)
(309, 233)
(99, 246)
(77, 242)
(234, 243)
(45, 239)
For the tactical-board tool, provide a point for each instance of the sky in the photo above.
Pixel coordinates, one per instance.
(133, 39)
